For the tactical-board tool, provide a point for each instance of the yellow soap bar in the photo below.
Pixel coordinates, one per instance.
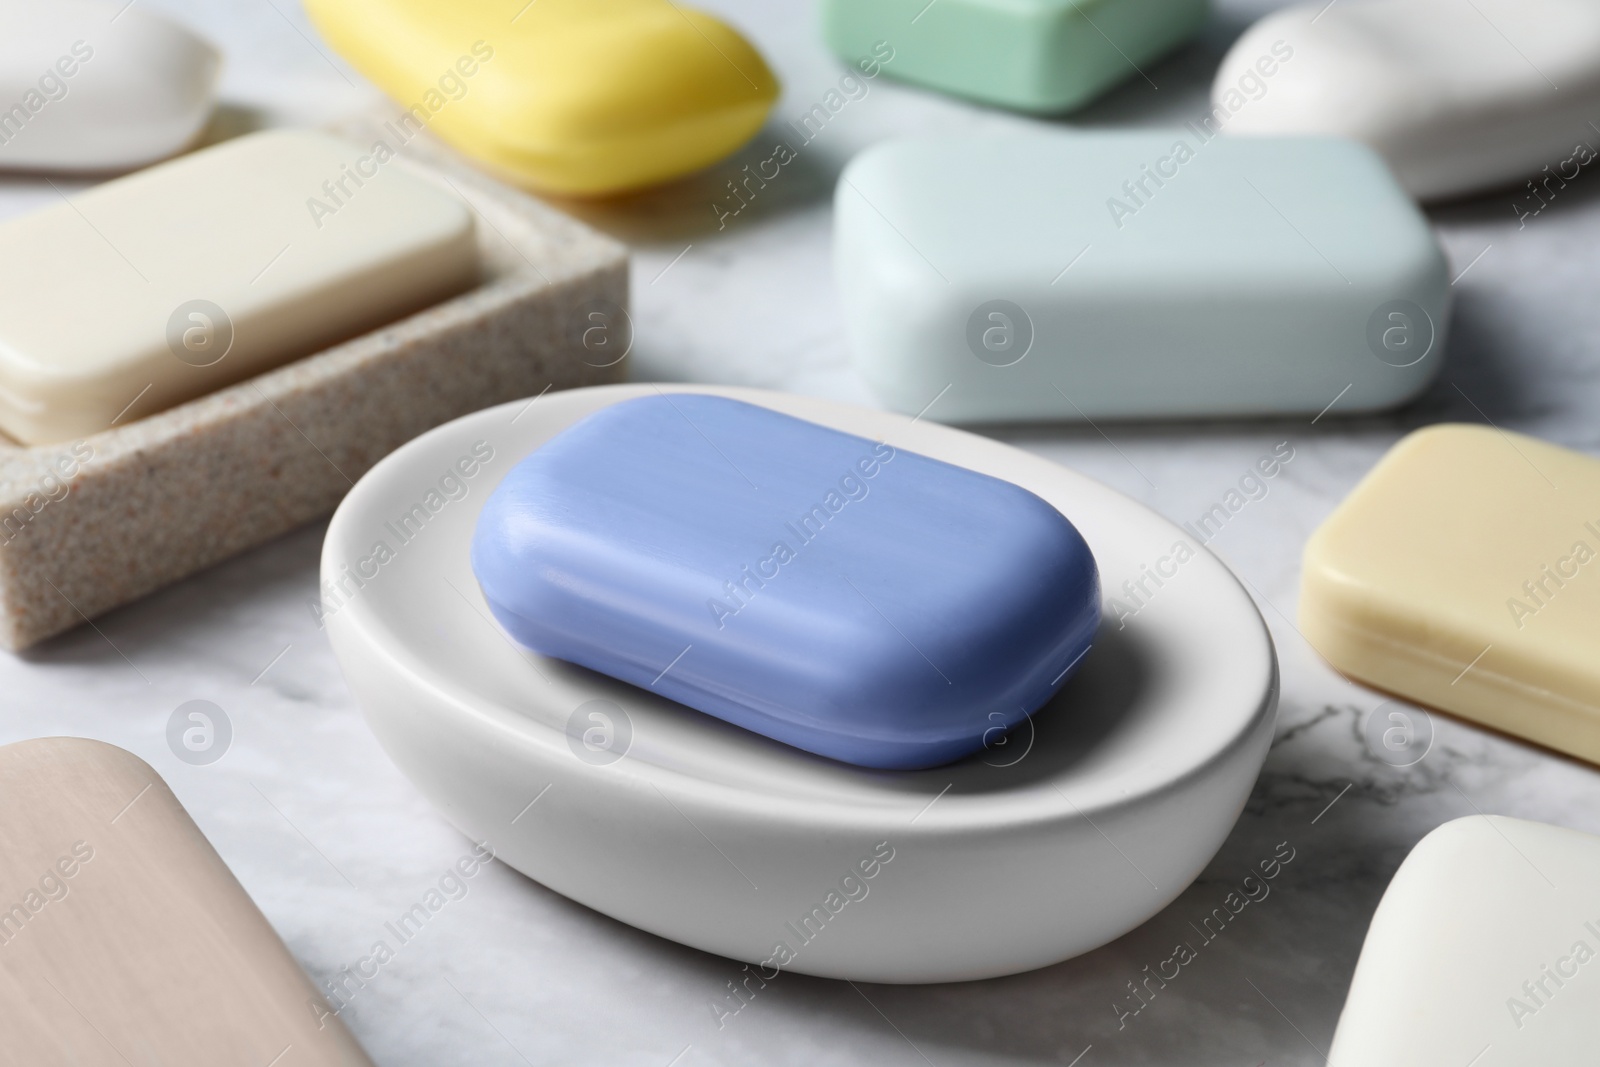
(574, 97)
(1464, 573)
(172, 282)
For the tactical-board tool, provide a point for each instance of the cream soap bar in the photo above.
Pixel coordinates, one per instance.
(1456, 95)
(1484, 951)
(89, 86)
(573, 97)
(1135, 275)
(170, 283)
(1464, 573)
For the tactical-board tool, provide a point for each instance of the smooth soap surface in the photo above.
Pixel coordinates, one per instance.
(1033, 55)
(1456, 95)
(575, 97)
(125, 939)
(839, 595)
(1464, 573)
(89, 86)
(170, 283)
(1250, 280)
(1483, 949)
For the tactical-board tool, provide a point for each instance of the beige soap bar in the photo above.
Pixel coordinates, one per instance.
(1464, 573)
(168, 284)
(124, 938)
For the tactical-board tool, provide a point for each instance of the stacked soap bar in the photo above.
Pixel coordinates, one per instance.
(170, 283)
(1483, 950)
(1135, 275)
(93, 86)
(1464, 573)
(807, 584)
(579, 97)
(1033, 55)
(1457, 95)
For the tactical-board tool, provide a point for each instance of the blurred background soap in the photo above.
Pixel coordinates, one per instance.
(170, 283)
(1483, 950)
(90, 86)
(1033, 55)
(1464, 573)
(837, 594)
(578, 97)
(1457, 95)
(126, 938)
(1135, 275)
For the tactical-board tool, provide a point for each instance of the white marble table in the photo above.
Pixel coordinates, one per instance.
(333, 843)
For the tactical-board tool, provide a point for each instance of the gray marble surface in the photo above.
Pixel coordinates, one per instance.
(332, 842)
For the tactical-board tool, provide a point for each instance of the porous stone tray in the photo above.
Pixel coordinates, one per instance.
(86, 526)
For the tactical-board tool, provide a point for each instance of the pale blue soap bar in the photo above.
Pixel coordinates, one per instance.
(837, 594)
(1136, 275)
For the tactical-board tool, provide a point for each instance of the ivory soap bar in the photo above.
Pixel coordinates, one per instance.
(1135, 275)
(837, 594)
(98, 86)
(1464, 573)
(1034, 55)
(1483, 951)
(1457, 95)
(125, 939)
(170, 283)
(577, 97)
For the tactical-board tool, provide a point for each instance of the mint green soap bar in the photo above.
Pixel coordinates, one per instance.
(1045, 56)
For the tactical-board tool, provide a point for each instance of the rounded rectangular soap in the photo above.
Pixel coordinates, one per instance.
(125, 938)
(1464, 573)
(573, 97)
(1481, 954)
(833, 593)
(173, 282)
(1135, 275)
(1034, 55)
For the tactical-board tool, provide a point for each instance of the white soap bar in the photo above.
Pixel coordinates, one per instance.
(87, 86)
(170, 283)
(1457, 95)
(1485, 950)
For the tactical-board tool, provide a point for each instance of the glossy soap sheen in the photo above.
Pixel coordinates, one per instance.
(574, 97)
(839, 595)
(1135, 275)
(1464, 573)
(1032, 55)
(175, 281)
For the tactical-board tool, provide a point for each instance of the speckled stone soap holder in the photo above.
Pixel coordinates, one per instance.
(89, 525)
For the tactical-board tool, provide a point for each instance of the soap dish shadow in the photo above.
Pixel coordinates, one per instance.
(1061, 736)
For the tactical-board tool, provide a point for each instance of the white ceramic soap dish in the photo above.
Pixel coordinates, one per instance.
(1057, 838)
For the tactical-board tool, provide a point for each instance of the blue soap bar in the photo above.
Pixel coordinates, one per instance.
(840, 595)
